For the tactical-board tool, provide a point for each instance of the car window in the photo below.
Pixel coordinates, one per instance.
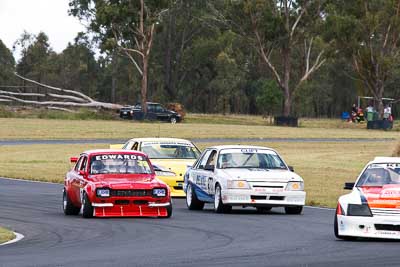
(380, 174)
(212, 158)
(120, 164)
(127, 145)
(250, 158)
(78, 163)
(159, 109)
(170, 150)
(204, 158)
(84, 163)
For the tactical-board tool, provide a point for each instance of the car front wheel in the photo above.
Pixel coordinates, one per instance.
(87, 208)
(220, 207)
(68, 207)
(192, 202)
(336, 231)
(173, 120)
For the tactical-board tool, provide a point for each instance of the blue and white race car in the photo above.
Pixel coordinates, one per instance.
(236, 175)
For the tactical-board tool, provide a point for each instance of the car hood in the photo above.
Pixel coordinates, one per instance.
(178, 166)
(254, 174)
(127, 181)
(387, 196)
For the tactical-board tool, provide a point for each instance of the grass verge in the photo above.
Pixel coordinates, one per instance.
(16, 128)
(6, 235)
(324, 166)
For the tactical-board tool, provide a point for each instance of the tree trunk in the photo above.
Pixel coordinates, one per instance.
(143, 90)
(287, 104)
(168, 60)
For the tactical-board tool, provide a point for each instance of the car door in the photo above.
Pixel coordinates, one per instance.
(162, 114)
(203, 175)
(80, 180)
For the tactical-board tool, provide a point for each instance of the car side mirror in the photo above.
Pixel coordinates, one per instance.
(209, 168)
(73, 159)
(83, 173)
(291, 168)
(348, 186)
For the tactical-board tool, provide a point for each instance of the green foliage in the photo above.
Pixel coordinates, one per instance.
(268, 97)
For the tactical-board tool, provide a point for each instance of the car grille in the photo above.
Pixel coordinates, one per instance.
(385, 212)
(387, 227)
(266, 197)
(130, 193)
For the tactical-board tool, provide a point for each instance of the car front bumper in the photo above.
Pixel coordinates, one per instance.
(387, 227)
(175, 184)
(249, 197)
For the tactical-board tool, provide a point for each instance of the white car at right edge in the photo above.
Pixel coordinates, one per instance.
(248, 176)
(372, 209)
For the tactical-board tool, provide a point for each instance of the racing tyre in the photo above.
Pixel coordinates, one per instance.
(172, 120)
(262, 210)
(87, 208)
(68, 207)
(294, 210)
(169, 211)
(336, 231)
(220, 207)
(192, 202)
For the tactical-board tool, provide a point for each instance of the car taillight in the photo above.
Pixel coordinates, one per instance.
(339, 210)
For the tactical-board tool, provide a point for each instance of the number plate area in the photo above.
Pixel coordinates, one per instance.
(263, 188)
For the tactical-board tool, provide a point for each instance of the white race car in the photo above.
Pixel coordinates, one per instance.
(372, 209)
(243, 176)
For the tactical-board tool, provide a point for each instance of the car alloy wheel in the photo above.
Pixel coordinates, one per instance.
(192, 202)
(68, 207)
(219, 207)
(189, 195)
(173, 120)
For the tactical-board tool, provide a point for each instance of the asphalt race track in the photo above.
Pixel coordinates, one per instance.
(189, 238)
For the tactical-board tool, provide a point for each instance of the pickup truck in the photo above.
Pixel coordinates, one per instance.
(155, 111)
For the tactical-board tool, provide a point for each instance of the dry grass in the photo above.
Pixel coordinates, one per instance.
(324, 166)
(61, 129)
(6, 235)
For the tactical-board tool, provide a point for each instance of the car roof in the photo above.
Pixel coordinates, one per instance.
(160, 139)
(238, 146)
(112, 151)
(378, 160)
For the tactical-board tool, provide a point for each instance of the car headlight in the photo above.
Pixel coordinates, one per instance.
(237, 184)
(159, 192)
(165, 173)
(358, 210)
(103, 192)
(295, 186)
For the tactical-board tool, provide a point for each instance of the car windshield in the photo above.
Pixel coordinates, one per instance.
(380, 174)
(119, 163)
(250, 158)
(172, 150)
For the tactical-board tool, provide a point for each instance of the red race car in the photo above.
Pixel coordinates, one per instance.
(110, 183)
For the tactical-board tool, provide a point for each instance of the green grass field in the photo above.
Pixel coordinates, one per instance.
(6, 235)
(16, 128)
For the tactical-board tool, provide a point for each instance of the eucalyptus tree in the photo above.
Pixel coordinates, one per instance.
(285, 35)
(367, 32)
(125, 25)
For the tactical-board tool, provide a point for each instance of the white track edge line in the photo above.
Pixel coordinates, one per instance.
(29, 181)
(319, 208)
(17, 238)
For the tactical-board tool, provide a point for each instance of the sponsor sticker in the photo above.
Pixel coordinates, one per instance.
(119, 156)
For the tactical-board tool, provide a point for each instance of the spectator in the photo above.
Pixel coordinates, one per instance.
(387, 112)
